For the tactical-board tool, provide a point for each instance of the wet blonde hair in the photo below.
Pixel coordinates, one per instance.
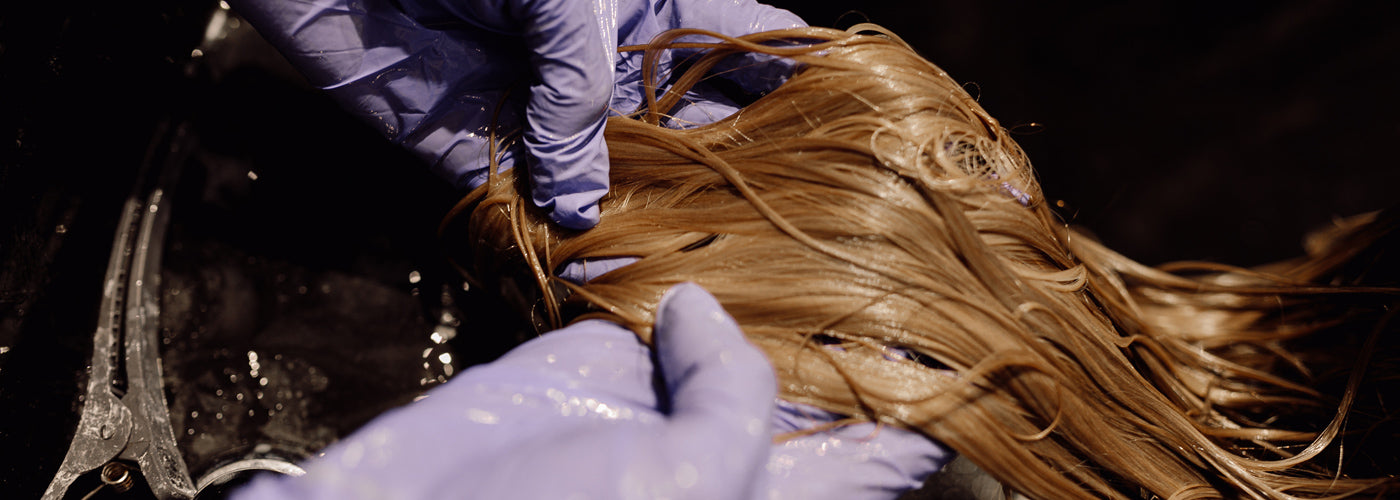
(883, 240)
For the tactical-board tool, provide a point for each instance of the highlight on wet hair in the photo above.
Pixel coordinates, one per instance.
(884, 241)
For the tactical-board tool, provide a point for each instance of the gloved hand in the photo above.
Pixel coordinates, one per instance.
(429, 75)
(576, 414)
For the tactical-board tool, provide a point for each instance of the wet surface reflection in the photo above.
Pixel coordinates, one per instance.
(263, 356)
(292, 310)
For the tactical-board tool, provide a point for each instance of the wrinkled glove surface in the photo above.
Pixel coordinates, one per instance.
(430, 73)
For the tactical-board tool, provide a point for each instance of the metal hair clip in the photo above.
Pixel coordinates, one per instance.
(125, 418)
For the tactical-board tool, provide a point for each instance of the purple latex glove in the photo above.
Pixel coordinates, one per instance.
(429, 75)
(754, 73)
(578, 413)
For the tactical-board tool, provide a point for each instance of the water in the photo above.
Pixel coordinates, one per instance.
(293, 311)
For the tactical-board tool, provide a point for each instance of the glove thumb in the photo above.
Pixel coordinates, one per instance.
(705, 360)
(722, 395)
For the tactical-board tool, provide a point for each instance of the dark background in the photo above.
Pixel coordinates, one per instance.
(1171, 129)
(1180, 130)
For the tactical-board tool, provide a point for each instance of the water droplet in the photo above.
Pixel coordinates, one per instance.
(686, 475)
(482, 416)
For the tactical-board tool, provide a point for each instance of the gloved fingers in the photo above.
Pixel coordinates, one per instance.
(572, 63)
(584, 270)
(568, 103)
(705, 361)
(858, 461)
(702, 106)
(753, 72)
(721, 390)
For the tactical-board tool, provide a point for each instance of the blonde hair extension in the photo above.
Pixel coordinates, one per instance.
(870, 204)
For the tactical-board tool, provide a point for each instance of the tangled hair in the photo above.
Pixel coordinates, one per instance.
(884, 241)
